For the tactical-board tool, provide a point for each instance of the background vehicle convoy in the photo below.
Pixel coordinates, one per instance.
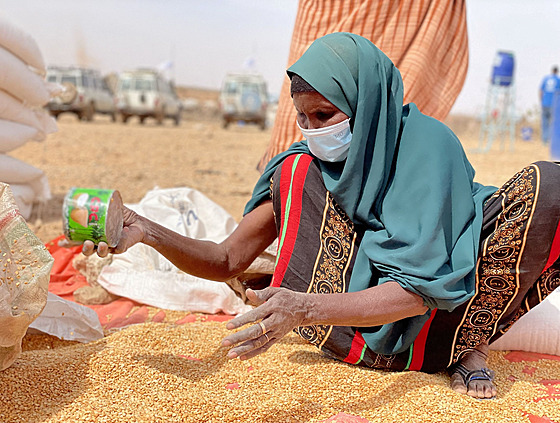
(146, 93)
(92, 93)
(244, 97)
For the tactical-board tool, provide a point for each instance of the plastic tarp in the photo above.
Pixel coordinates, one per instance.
(67, 320)
(25, 266)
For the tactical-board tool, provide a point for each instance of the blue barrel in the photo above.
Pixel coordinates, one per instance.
(555, 130)
(526, 133)
(502, 70)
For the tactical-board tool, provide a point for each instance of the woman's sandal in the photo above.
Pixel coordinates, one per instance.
(470, 375)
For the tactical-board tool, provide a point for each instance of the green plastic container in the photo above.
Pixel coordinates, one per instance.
(92, 214)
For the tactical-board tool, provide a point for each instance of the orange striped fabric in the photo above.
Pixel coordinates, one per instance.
(425, 39)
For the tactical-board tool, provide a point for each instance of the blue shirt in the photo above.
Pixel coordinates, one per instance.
(549, 86)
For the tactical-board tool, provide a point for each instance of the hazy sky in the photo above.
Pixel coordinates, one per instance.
(207, 38)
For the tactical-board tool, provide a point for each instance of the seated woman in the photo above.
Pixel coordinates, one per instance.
(389, 255)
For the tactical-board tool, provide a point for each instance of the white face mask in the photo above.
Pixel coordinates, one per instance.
(331, 143)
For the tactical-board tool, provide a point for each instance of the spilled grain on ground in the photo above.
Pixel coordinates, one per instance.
(158, 372)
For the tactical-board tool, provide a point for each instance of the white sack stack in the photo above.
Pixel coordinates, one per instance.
(23, 94)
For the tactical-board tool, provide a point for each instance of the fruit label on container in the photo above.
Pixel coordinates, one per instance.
(85, 212)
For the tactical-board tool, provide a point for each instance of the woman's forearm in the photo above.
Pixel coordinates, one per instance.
(204, 259)
(211, 260)
(375, 306)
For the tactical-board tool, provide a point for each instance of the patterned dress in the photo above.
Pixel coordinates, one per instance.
(517, 267)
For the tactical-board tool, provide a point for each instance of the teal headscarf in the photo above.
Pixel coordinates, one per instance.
(406, 179)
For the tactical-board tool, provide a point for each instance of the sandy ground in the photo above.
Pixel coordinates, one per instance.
(200, 154)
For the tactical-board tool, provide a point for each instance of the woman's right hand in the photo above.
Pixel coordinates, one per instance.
(132, 233)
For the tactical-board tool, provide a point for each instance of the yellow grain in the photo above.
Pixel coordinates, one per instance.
(145, 373)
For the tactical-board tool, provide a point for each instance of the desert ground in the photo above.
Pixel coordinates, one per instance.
(200, 154)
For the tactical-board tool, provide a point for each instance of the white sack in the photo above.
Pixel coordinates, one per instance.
(24, 192)
(27, 194)
(24, 197)
(144, 275)
(169, 290)
(14, 135)
(21, 44)
(28, 183)
(537, 331)
(15, 111)
(20, 81)
(41, 188)
(15, 171)
(188, 212)
(67, 320)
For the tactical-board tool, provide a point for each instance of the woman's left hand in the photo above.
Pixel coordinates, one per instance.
(279, 311)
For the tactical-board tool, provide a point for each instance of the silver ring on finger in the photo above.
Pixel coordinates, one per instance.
(263, 327)
(267, 338)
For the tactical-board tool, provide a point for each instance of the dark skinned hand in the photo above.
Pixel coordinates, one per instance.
(279, 310)
(132, 233)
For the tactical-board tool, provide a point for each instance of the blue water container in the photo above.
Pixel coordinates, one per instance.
(555, 130)
(502, 70)
(526, 133)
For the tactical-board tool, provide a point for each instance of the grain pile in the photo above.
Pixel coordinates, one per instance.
(166, 372)
(178, 373)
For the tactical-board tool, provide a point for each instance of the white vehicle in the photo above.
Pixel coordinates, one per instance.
(145, 93)
(244, 98)
(92, 93)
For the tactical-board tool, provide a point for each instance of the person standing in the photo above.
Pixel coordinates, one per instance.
(549, 87)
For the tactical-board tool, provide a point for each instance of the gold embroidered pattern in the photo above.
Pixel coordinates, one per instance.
(383, 361)
(548, 282)
(497, 283)
(334, 256)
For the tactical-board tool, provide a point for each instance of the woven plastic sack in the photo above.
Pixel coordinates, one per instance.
(13, 135)
(13, 110)
(536, 331)
(20, 43)
(25, 267)
(21, 82)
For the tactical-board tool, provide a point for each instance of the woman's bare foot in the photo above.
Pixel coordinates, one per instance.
(471, 361)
